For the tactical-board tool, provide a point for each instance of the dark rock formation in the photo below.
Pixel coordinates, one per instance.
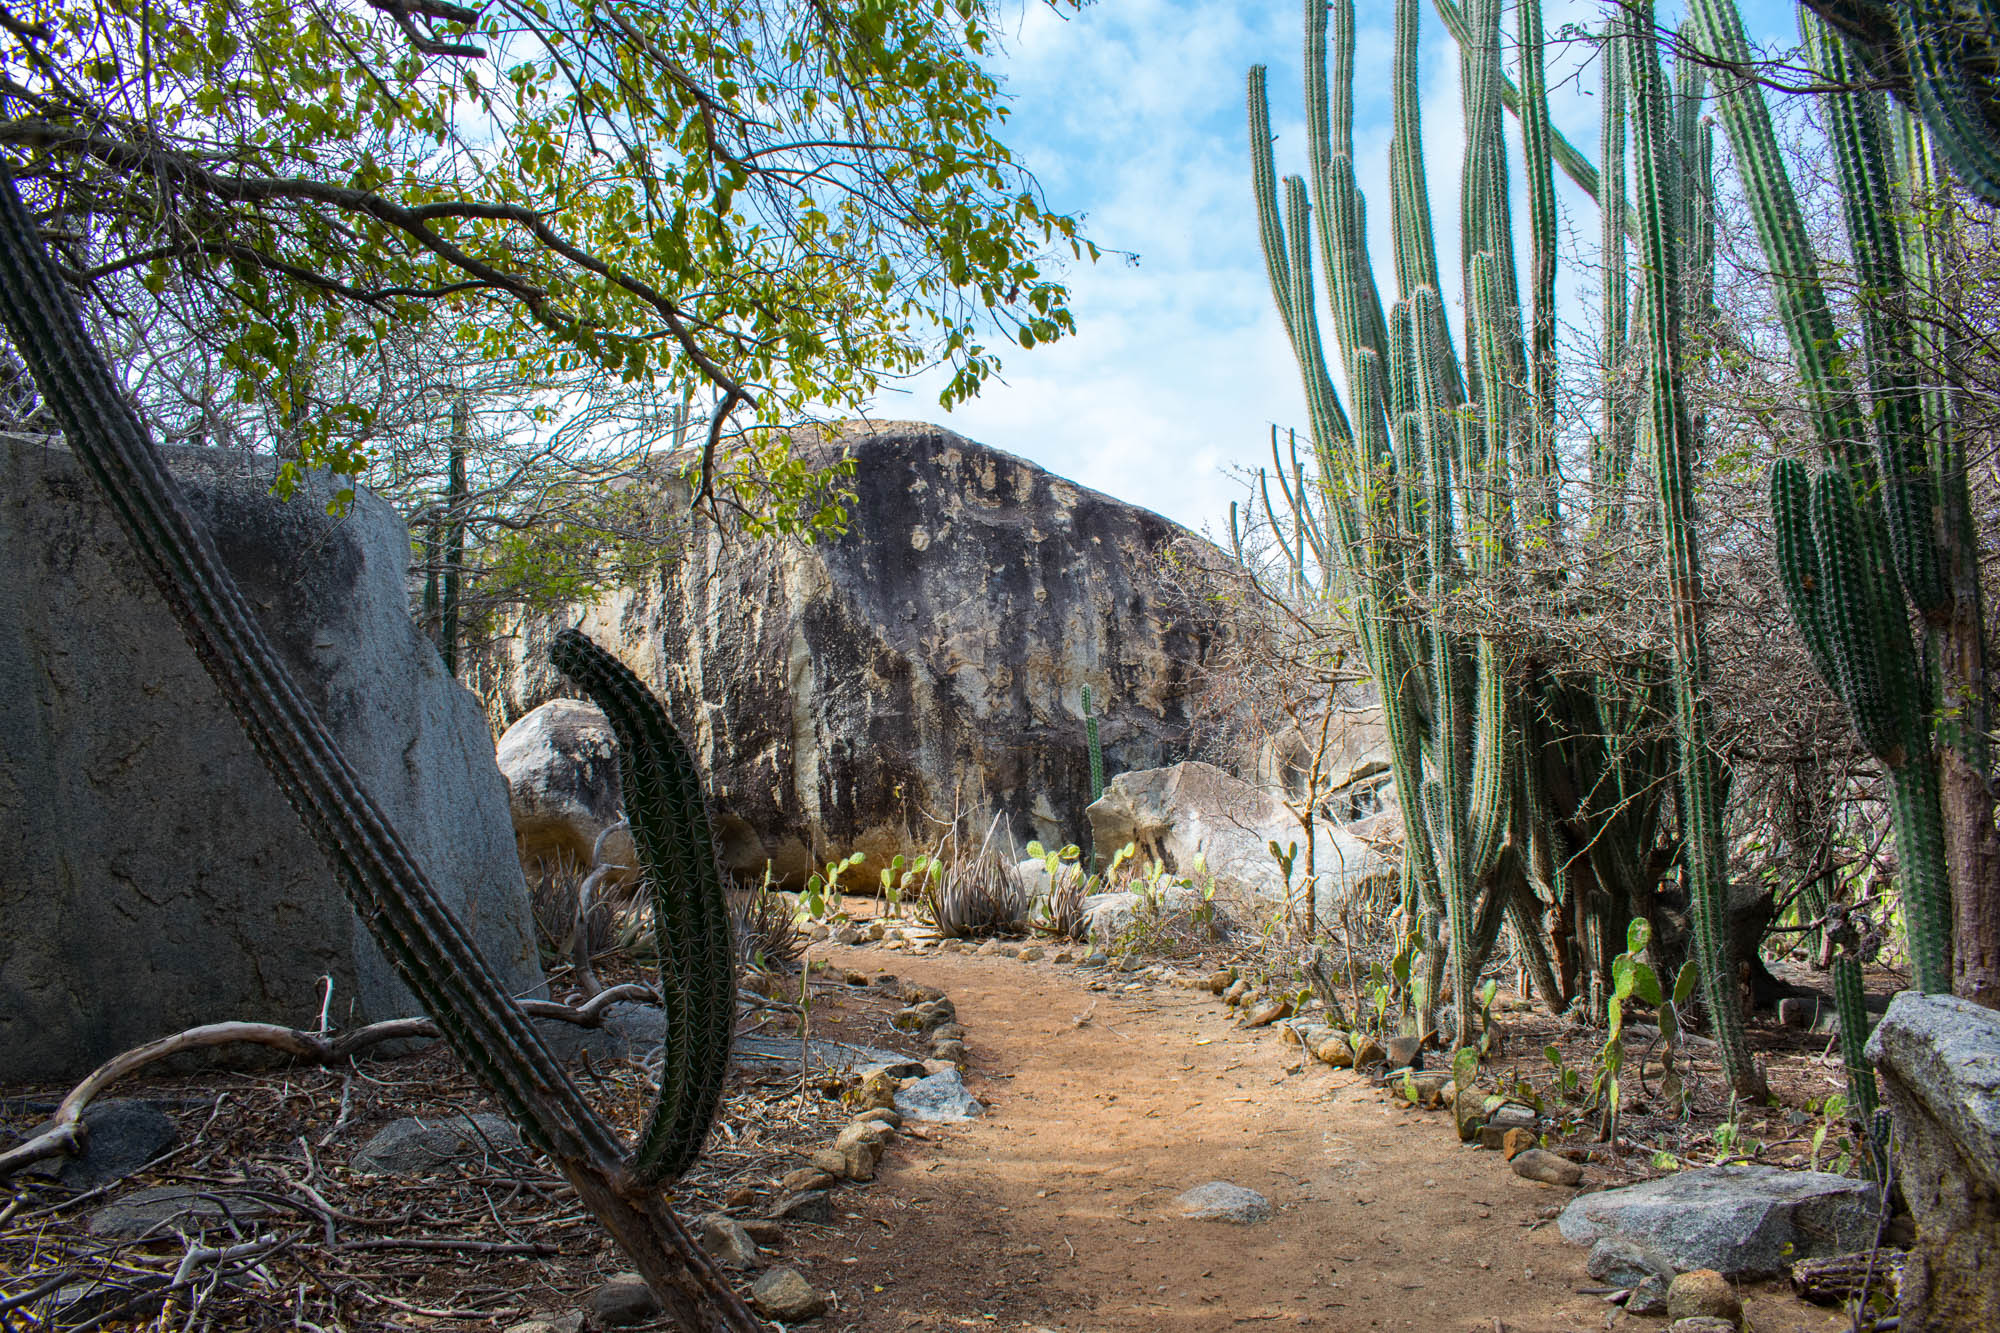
(840, 693)
(151, 876)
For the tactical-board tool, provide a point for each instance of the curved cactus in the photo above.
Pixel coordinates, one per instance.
(387, 887)
(668, 812)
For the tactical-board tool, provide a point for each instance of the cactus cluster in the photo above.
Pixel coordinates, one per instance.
(1864, 542)
(1523, 783)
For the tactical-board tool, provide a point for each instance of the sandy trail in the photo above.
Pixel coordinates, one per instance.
(1055, 1210)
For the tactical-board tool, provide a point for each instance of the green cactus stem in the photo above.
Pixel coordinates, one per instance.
(1096, 749)
(668, 811)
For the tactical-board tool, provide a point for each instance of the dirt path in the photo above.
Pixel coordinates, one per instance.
(1055, 1210)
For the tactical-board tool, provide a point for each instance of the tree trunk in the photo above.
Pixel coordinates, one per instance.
(1973, 846)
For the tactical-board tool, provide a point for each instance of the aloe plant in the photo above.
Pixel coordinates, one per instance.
(389, 890)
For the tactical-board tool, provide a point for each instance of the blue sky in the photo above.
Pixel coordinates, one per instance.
(1132, 113)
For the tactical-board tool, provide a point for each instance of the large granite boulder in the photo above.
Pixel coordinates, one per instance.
(840, 694)
(1193, 817)
(561, 766)
(151, 876)
(1939, 1061)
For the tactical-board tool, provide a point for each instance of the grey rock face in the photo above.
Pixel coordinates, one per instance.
(1737, 1220)
(1220, 1201)
(154, 878)
(561, 766)
(1939, 1062)
(412, 1146)
(941, 1097)
(1196, 814)
(834, 692)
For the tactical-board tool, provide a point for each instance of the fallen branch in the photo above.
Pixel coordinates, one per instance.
(67, 1132)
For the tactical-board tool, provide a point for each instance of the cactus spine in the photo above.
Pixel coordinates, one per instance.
(387, 887)
(668, 811)
(1704, 855)
(1852, 542)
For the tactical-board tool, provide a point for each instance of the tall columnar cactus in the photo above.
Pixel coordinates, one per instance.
(1704, 852)
(1942, 59)
(1863, 534)
(1096, 748)
(387, 887)
(668, 811)
(1434, 471)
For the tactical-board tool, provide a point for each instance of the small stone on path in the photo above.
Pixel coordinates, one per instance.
(1540, 1164)
(624, 1299)
(1703, 1294)
(940, 1097)
(1220, 1201)
(783, 1294)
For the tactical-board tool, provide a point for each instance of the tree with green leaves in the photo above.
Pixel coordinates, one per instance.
(776, 204)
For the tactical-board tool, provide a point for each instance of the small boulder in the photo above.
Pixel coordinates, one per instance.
(1702, 1324)
(783, 1295)
(1220, 1201)
(1516, 1141)
(167, 1209)
(1540, 1164)
(940, 1097)
(1333, 1050)
(1032, 953)
(1703, 1294)
(623, 1300)
(413, 1145)
(952, 1051)
(1266, 1011)
(1369, 1052)
(727, 1242)
(805, 1206)
(1404, 1052)
(121, 1135)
